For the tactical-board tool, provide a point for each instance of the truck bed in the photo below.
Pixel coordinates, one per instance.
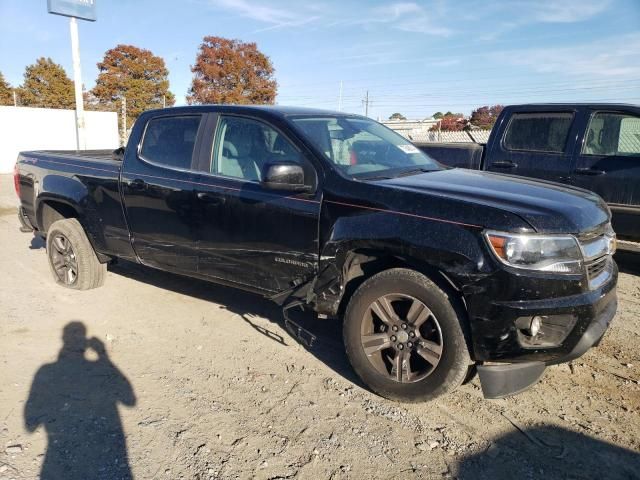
(461, 155)
(91, 155)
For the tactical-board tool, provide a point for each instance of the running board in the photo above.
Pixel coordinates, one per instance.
(300, 333)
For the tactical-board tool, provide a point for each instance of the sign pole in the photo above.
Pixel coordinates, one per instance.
(77, 80)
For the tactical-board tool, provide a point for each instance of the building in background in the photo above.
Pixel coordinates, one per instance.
(26, 128)
(411, 128)
(426, 131)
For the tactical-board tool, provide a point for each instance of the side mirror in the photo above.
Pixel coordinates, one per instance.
(118, 154)
(284, 176)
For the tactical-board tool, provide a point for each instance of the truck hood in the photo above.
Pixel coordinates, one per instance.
(548, 207)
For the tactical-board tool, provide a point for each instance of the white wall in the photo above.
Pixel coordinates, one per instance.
(24, 128)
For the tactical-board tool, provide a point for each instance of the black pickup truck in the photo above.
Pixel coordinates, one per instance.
(592, 146)
(435, 272)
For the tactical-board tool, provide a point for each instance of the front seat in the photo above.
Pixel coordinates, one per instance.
(236, 160)
(591, 144)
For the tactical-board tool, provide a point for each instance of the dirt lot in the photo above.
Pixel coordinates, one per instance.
(188, 380)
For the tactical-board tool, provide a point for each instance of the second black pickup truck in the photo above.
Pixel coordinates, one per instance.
(435, 272)
(592, 146)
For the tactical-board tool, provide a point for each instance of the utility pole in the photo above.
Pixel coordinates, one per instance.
(340, 98)
(83, 10)
(164, 101)
(366, 102)
(77, 81)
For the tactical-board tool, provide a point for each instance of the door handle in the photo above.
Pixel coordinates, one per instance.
(137, 184)
(589, 171)
(212, 199)
(504, 164)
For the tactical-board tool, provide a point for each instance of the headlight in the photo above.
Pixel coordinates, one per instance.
(612, 239)
(545, 253)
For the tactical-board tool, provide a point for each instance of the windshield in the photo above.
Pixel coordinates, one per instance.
(363, 148)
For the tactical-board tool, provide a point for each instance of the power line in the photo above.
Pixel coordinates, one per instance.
(459, 94)
(465, 81)
(545, 84)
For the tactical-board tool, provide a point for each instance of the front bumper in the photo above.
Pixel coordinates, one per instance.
(499, 381)
(506, 366)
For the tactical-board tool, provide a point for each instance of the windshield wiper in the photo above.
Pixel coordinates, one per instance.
(414, 171)
(377, 177)
(404, 173)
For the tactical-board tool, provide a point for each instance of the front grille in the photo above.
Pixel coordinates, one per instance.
(596, 267)
(597, 249)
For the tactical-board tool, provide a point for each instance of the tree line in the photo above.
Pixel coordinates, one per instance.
(225, 71)
(483, 118)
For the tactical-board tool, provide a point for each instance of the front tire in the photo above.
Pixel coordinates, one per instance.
(72, 260)
(404, 338)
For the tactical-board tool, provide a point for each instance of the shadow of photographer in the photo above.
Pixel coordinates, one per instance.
(550, 452)
(76, 400)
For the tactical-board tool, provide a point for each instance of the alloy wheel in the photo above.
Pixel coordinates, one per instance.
(63, 258)
(401, 338)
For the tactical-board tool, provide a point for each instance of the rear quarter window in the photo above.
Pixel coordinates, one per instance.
(170, 140)
(538, 132)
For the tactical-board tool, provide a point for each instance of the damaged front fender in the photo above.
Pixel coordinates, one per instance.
(361, 244)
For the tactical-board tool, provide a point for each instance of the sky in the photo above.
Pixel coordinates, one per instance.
(412, 57)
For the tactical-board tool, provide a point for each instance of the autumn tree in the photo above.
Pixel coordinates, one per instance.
(6, 93)
(46, 85)
(231, 71)
(397, 116)
(485, 117)
(450, 122)
(132, 73)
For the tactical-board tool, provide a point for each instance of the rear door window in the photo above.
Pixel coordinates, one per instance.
(612, 134)
(170, 140)
(538, 132)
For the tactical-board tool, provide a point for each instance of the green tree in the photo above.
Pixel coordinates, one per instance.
(46, 85)
(231, 71)
(132, 73)
(397, 116)
(6, 92)
(438, 115)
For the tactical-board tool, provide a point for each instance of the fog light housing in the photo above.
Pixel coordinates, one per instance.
(534, 327)
(544, 331)
(529, 326)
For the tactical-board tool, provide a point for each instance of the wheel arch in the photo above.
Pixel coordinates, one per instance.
(363, 263)
(383, 260)
(51, 208)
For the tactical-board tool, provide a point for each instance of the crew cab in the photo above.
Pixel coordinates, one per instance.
(435, 272)
(592, 146)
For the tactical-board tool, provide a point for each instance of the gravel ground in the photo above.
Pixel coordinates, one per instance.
(168, 377)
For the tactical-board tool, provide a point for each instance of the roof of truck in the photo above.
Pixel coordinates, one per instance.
(573, 105)
(278, 110)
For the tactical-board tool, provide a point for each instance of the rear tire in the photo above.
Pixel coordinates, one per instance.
(72, 260)
(404, 338)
